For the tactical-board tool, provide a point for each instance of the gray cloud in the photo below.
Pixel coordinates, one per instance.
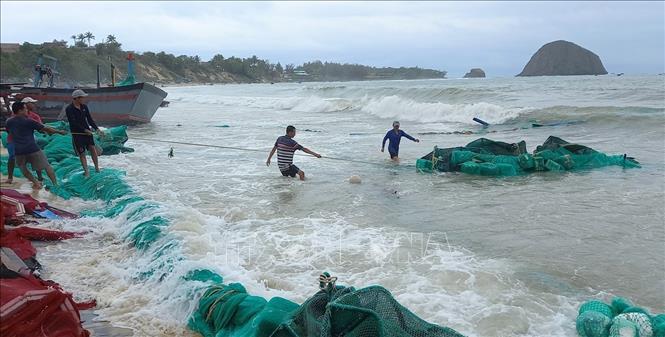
(497, 36)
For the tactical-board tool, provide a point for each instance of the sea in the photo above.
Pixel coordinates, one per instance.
(486, 256)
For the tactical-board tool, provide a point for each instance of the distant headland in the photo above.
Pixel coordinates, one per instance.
(77, 64)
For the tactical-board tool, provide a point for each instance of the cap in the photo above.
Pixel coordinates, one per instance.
(28, 100)
(79, 93)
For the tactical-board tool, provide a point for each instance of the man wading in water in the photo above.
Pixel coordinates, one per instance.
(395, 135)
(285, 147)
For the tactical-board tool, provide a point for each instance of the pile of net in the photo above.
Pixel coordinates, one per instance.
(227, 310)
(493, 158)
(620, 318)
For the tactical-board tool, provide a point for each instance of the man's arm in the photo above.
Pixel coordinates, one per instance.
(383, 145)
(274, 148)
(90, 121)
(49, 130)
(306, 150)
(409, 137)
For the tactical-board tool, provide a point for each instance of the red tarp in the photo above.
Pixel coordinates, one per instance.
(30, 306)
(33, 307)
(20, 245)
(30, 205)
(28, 202)
(18, 239)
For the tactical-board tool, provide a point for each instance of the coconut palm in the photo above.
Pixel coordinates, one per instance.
(89, 37)
(73, 37)
(111, 39)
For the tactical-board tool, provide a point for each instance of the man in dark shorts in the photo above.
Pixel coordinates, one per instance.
(25, 148)
(285, 147)
(32, 114)
(81, 125)
(394, 136)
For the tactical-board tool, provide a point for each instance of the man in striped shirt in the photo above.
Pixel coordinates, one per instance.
(285, 147)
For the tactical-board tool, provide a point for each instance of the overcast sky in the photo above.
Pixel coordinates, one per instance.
(499, 37)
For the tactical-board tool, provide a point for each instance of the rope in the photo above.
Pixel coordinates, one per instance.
(198, 144)
(214, 304)
(246, 149)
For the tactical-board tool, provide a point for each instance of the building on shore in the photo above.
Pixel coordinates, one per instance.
(55, 44)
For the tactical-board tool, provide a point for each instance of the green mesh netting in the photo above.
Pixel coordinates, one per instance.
(658, 324)
(593, 324)
(129, 80)
(619, 319)
(491, 158)
(623, 328)
(597, 306)
(227, 310)
(367, 312)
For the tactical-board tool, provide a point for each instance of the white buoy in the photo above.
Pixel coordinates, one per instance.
(355, 180)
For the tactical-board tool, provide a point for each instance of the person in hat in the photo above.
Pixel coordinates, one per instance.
(11, 163)
(285, 147)
(32, 109)
(81, 126)
(22, 128)
(395, 135)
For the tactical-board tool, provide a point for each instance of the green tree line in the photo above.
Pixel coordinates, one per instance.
(77, 64)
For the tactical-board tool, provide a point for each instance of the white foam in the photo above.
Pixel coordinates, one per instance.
(395, 107)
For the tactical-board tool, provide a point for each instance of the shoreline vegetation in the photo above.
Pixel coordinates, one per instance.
(77, 66)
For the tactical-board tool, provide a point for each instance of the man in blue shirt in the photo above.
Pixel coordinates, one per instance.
(285, 147)
(21, 128)
(395, 135)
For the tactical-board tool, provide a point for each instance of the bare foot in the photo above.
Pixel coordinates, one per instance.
(86, 174)
(37, 186)
(9, 181)
(97, 170)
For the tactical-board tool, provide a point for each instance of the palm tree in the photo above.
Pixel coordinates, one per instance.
(89, 37)
(111, 39)
(80, 37)
(73, 37)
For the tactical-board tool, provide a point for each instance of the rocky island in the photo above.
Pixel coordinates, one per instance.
(475, 73)
(560, 58)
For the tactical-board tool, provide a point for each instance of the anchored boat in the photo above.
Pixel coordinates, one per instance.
(126, 103)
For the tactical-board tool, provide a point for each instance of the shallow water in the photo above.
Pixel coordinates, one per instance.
(486, 256)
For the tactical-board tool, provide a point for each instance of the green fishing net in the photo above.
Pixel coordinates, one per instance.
(619, 319)
(227, 310)
(491, 158)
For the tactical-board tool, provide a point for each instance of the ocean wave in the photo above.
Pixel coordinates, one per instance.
(590, 114)
(423, 94)
(318, 104)
(395, 107)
